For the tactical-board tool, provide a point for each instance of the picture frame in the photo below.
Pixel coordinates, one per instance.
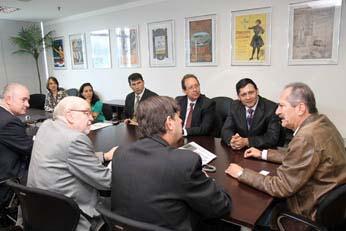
(251, 36)
(58, 52)
(161, 44)
(100, 49)
(314, 32)
(78, 51)
(127, 42)
(200, 40)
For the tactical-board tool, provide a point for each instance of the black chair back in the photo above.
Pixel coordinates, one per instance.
(222, 107)
(117, 222)
(37, 101)
(331, 210)
(43, 210)
(107, 111)
(292, 222)
(72, 92)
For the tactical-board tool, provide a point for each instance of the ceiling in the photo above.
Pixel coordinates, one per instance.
(46, 10)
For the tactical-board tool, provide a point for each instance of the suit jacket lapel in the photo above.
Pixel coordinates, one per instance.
(183, 108)
(258, 113)
(197, 110)
(242, 116)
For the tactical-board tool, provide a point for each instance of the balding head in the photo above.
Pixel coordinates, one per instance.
(16, 98)
(76, 112)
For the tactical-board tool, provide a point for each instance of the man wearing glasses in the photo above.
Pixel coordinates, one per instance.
(197, 110)
(63, 158)
(251, 121)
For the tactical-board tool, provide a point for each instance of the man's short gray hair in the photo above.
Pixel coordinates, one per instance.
(10, 88)
(66, 104)
(301, 92)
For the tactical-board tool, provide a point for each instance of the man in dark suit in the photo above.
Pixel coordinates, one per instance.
(139, 93)
(156, 183)
(197, 110)
(15, 144)
(251, 121)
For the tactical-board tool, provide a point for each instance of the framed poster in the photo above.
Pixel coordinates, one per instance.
(251, 36)
(200, 47)
(161, 43)
(58, 49)
(127, 40)
(78, 51)
(100, 49)
(314, 32)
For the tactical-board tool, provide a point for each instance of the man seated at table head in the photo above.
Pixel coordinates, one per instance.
(15, 144)
(63, 158)
(251, 121)
(154, 182)
(314, 163)
(197, 110)
(132, 100)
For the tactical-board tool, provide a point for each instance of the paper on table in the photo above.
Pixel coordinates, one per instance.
(205, 155)
(264, 172)
(99, 125)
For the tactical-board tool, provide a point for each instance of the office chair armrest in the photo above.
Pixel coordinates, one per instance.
(287, 221)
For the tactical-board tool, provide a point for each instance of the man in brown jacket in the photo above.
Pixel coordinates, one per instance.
(313, 164)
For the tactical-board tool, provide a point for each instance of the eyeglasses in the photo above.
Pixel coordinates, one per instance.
(86, 112)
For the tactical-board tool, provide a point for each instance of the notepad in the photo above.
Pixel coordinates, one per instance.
(99, 125)
(205, 155)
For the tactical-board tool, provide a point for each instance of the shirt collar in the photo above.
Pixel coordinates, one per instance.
(140, 95)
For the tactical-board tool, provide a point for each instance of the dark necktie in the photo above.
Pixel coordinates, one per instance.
(189, 116)
(249, 117)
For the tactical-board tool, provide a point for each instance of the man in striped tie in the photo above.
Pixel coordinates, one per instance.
(251, 121)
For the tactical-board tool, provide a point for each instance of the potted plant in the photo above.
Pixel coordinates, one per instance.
(29, 41)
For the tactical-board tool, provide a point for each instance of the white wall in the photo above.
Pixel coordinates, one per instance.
(14, 67)
(327, 81)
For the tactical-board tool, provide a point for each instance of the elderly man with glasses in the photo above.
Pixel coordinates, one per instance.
(63, 158)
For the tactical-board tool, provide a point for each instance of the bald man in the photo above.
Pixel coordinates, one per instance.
(15, 144)
(63, 158)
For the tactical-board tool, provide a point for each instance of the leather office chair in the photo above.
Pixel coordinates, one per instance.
(107, 111)
(331, 211)
(117, 222)
(72, 92)
(293, 222)
(37, 101)
(43, 210)
(222, 107)
(8, 204)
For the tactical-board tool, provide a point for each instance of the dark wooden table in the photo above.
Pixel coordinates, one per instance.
(248, 203)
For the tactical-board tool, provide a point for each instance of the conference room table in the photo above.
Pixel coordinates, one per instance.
(34, 115)
(248, 204)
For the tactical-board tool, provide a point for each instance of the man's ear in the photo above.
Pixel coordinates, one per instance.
(302, 109)
(169, 124)
(69, 117)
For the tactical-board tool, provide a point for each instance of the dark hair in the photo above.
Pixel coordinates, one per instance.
(95, 97)
(302, 93)
(259, 21)
(187, 76)
(54, 80)
(134, 77)
(243, 82)
(152, 114)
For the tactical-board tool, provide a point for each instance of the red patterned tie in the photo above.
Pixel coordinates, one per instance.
(189, 116)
